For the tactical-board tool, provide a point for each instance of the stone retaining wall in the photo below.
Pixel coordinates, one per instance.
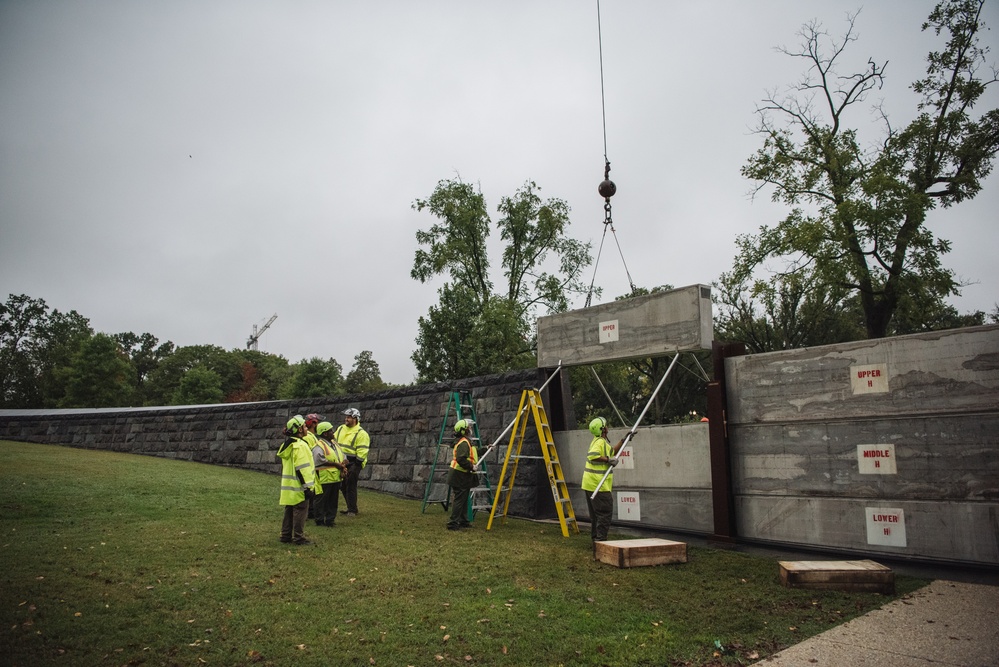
(404, 425)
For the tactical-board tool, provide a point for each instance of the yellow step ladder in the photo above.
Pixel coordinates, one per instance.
(531, 400)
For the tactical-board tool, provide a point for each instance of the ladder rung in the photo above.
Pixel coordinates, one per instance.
(518, 456)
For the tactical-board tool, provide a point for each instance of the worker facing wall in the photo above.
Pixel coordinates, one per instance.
(663, 480)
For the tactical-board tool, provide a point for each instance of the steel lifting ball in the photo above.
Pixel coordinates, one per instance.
(607, 189)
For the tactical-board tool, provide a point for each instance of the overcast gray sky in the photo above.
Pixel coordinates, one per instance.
(189, 168)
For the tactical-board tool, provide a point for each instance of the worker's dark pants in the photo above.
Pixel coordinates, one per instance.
(349, 486)
(293, 526)
(459, 507)
(327, 503)
(601, 509)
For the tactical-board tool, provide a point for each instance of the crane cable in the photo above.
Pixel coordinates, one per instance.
(607, 187)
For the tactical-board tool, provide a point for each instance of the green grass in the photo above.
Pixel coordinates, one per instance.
(117, 559)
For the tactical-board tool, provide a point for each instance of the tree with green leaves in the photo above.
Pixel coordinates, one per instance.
(313, 378)
(199, 386)
(365, 376)
(100, 376)
(145, 353)
(791, 311)
(22, 320)
(475, 330)
(161, 387)
(36, 348)
(262, 376)
(858, 213)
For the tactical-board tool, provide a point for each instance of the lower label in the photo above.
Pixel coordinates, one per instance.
(885, 527)
(629, 508)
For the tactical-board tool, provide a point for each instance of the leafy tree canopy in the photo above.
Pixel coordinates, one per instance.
(36, 346)
(100, 375)
(365, 376)
(314, 378)
(199, 386)
(476, 329)
(857, 228)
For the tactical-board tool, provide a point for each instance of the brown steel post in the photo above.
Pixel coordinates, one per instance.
(722, 496)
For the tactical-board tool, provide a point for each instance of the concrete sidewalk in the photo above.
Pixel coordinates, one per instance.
(946, 624)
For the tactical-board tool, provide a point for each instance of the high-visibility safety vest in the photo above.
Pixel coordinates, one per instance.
(326, 454)
(354, 441)
(312, 440)
(473, 454)
(296, 457)
(594, 470)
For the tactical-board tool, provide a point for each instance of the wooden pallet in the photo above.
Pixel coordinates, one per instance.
(639, 553)
(839, 575)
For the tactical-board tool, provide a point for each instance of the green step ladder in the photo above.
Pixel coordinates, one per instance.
(460, 406)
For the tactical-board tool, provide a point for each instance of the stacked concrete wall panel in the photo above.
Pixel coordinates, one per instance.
(826, 440)
(669, 472)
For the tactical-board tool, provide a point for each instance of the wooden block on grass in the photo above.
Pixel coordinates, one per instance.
(838, 575)
(641, 552)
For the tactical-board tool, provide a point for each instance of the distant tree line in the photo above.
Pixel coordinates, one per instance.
(51, 359)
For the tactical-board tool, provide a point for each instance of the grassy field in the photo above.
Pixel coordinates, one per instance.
(116, 559)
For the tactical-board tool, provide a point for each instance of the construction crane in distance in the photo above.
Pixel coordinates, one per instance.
(251, 342)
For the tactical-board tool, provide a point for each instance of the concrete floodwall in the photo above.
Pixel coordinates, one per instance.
(404, 424)
(878, 447)
(662, 482)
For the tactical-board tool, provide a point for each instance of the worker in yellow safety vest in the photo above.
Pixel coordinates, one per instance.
(598, 460)
(311, 421)
(355, 442)
(298, 479)
(461, 477)
(330, 466)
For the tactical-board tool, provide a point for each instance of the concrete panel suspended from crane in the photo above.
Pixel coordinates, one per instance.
(652, 325)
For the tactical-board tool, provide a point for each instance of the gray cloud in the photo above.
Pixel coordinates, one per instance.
(190, 168)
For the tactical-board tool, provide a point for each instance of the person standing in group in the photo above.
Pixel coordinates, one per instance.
(330, 466)
(598, 460)
(298, 479)
(461, 477)
(355, 442)
(311, 421)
